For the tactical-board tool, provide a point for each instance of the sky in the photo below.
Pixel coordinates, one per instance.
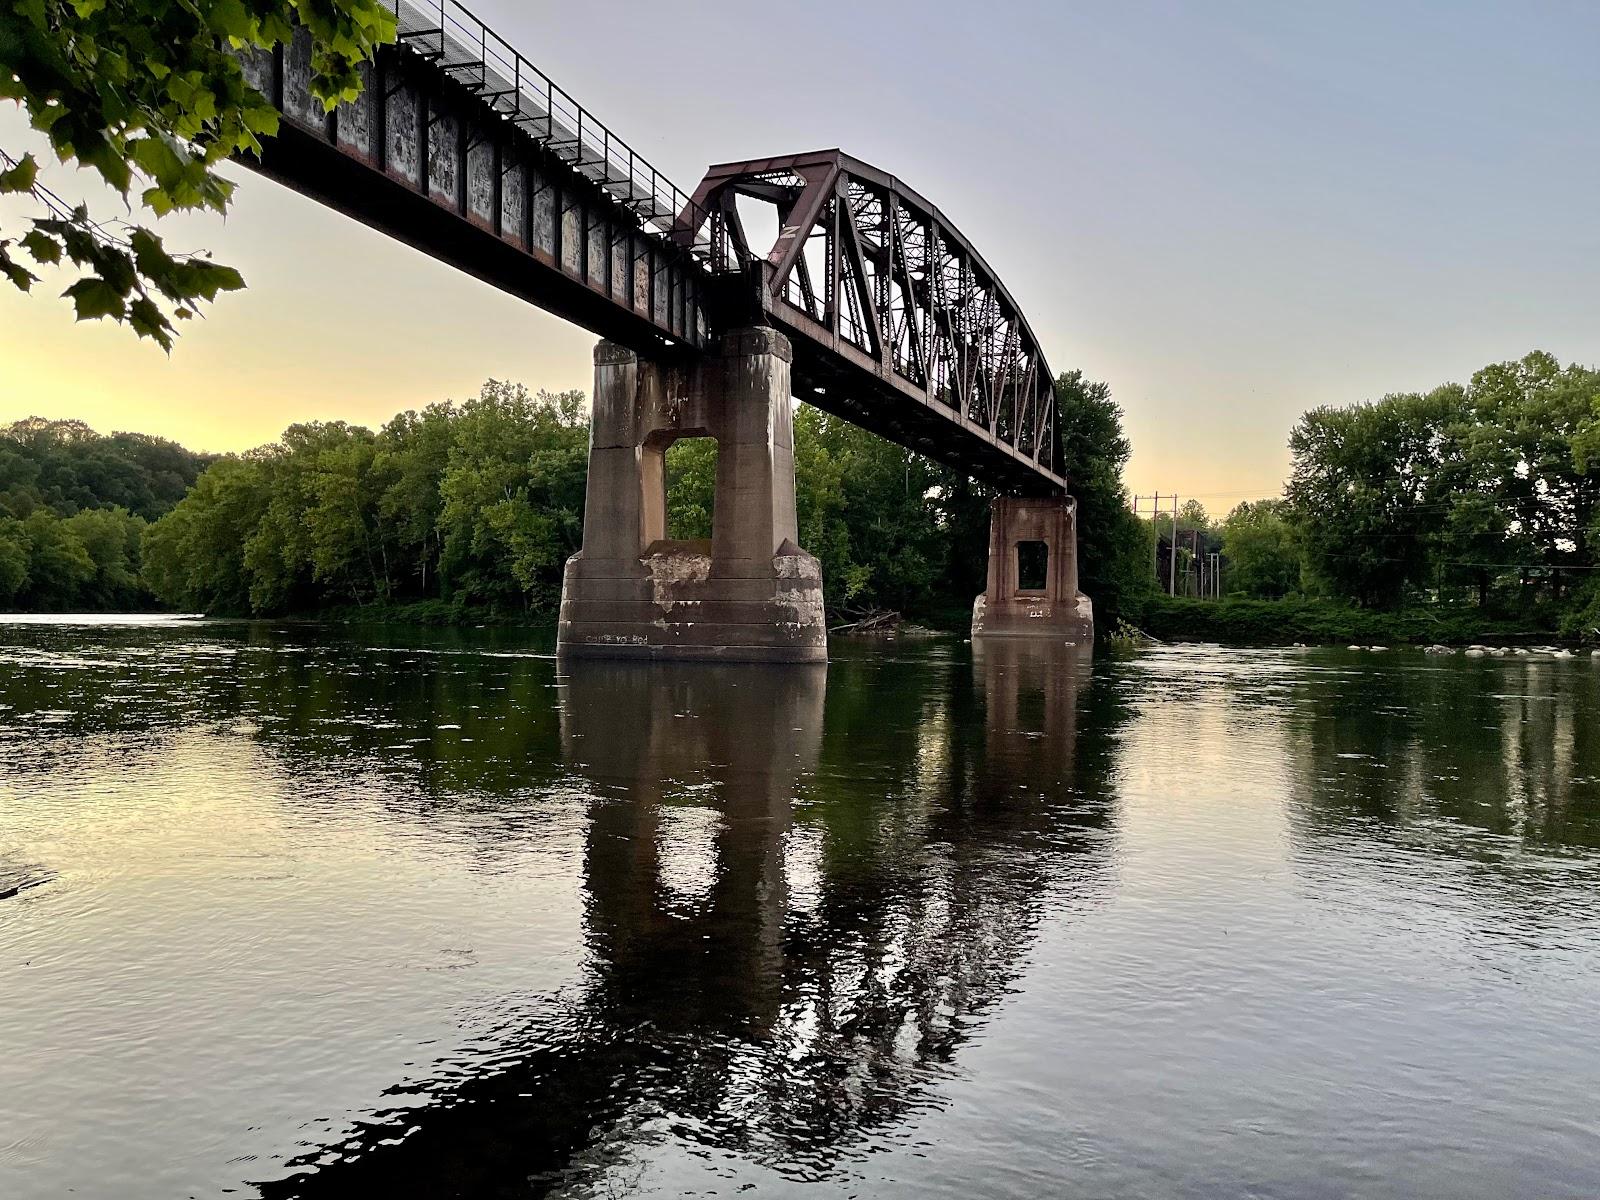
(1230, 212)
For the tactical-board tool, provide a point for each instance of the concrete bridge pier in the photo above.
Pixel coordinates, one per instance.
(1032, 589)
(749, 593)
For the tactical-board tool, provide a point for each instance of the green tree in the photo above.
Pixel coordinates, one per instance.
(1539, 413)
(1477, 543)
(322, 524)
(964, 505)
(412, 454)
(348, 550)
(479, 504)
(1462, 486)
(110, 537)
(59, 567)
(513, 496)
(67, 467)
(1192, 517)
(150, 93)
(15, 550)
(1113, 547)
(820, 506)
(876, 508)
(1364, 490)
(1262, 550)
(194, 557)
(691, 488)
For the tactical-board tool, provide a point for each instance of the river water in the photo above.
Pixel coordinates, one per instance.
(296, 913)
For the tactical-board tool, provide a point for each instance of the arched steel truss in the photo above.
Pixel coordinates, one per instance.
(867, 276)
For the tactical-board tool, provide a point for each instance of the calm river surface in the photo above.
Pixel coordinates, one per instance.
(319, 914)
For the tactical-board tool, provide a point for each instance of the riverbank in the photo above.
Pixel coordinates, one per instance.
(1239, 622)
(433, 614)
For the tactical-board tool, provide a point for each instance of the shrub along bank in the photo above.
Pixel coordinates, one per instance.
(1244, 622)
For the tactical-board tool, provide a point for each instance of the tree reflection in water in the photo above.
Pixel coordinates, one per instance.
(1462, 748)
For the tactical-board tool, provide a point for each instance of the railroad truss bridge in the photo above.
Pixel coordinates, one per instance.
(868, 304)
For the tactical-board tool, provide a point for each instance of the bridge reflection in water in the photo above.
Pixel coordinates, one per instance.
(780, 968)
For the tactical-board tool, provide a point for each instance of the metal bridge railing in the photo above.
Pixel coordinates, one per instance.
(458, 43)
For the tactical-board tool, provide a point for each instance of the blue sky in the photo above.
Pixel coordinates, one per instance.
(1230, 211)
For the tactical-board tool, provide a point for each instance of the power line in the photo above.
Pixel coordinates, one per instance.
(1263, 493)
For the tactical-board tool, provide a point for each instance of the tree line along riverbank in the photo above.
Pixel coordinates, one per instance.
(467, 511)
(1465, 514)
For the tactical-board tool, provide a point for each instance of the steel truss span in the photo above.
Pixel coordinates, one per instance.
(897, 322)
(461, 147)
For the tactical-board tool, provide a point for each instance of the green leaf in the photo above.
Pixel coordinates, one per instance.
(206, 279)
(227, 279)
(262, 119)
(80, 244)
(20, 178)
(45, 117)
(229, 17)
(149, 321)
(157, 200)
(44, 248)
(112, 165)
(19, 275)
(149, 254)
(34, 11)
(117, 269)
(156, 157)
(94, 298)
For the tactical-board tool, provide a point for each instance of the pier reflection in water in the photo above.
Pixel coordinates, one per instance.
(777, 967)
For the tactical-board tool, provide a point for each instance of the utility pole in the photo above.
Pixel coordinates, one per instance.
(1172, 561)
(1155, 541)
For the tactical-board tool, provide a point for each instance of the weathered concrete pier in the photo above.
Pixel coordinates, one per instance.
(750, 592)
(1032, 589)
